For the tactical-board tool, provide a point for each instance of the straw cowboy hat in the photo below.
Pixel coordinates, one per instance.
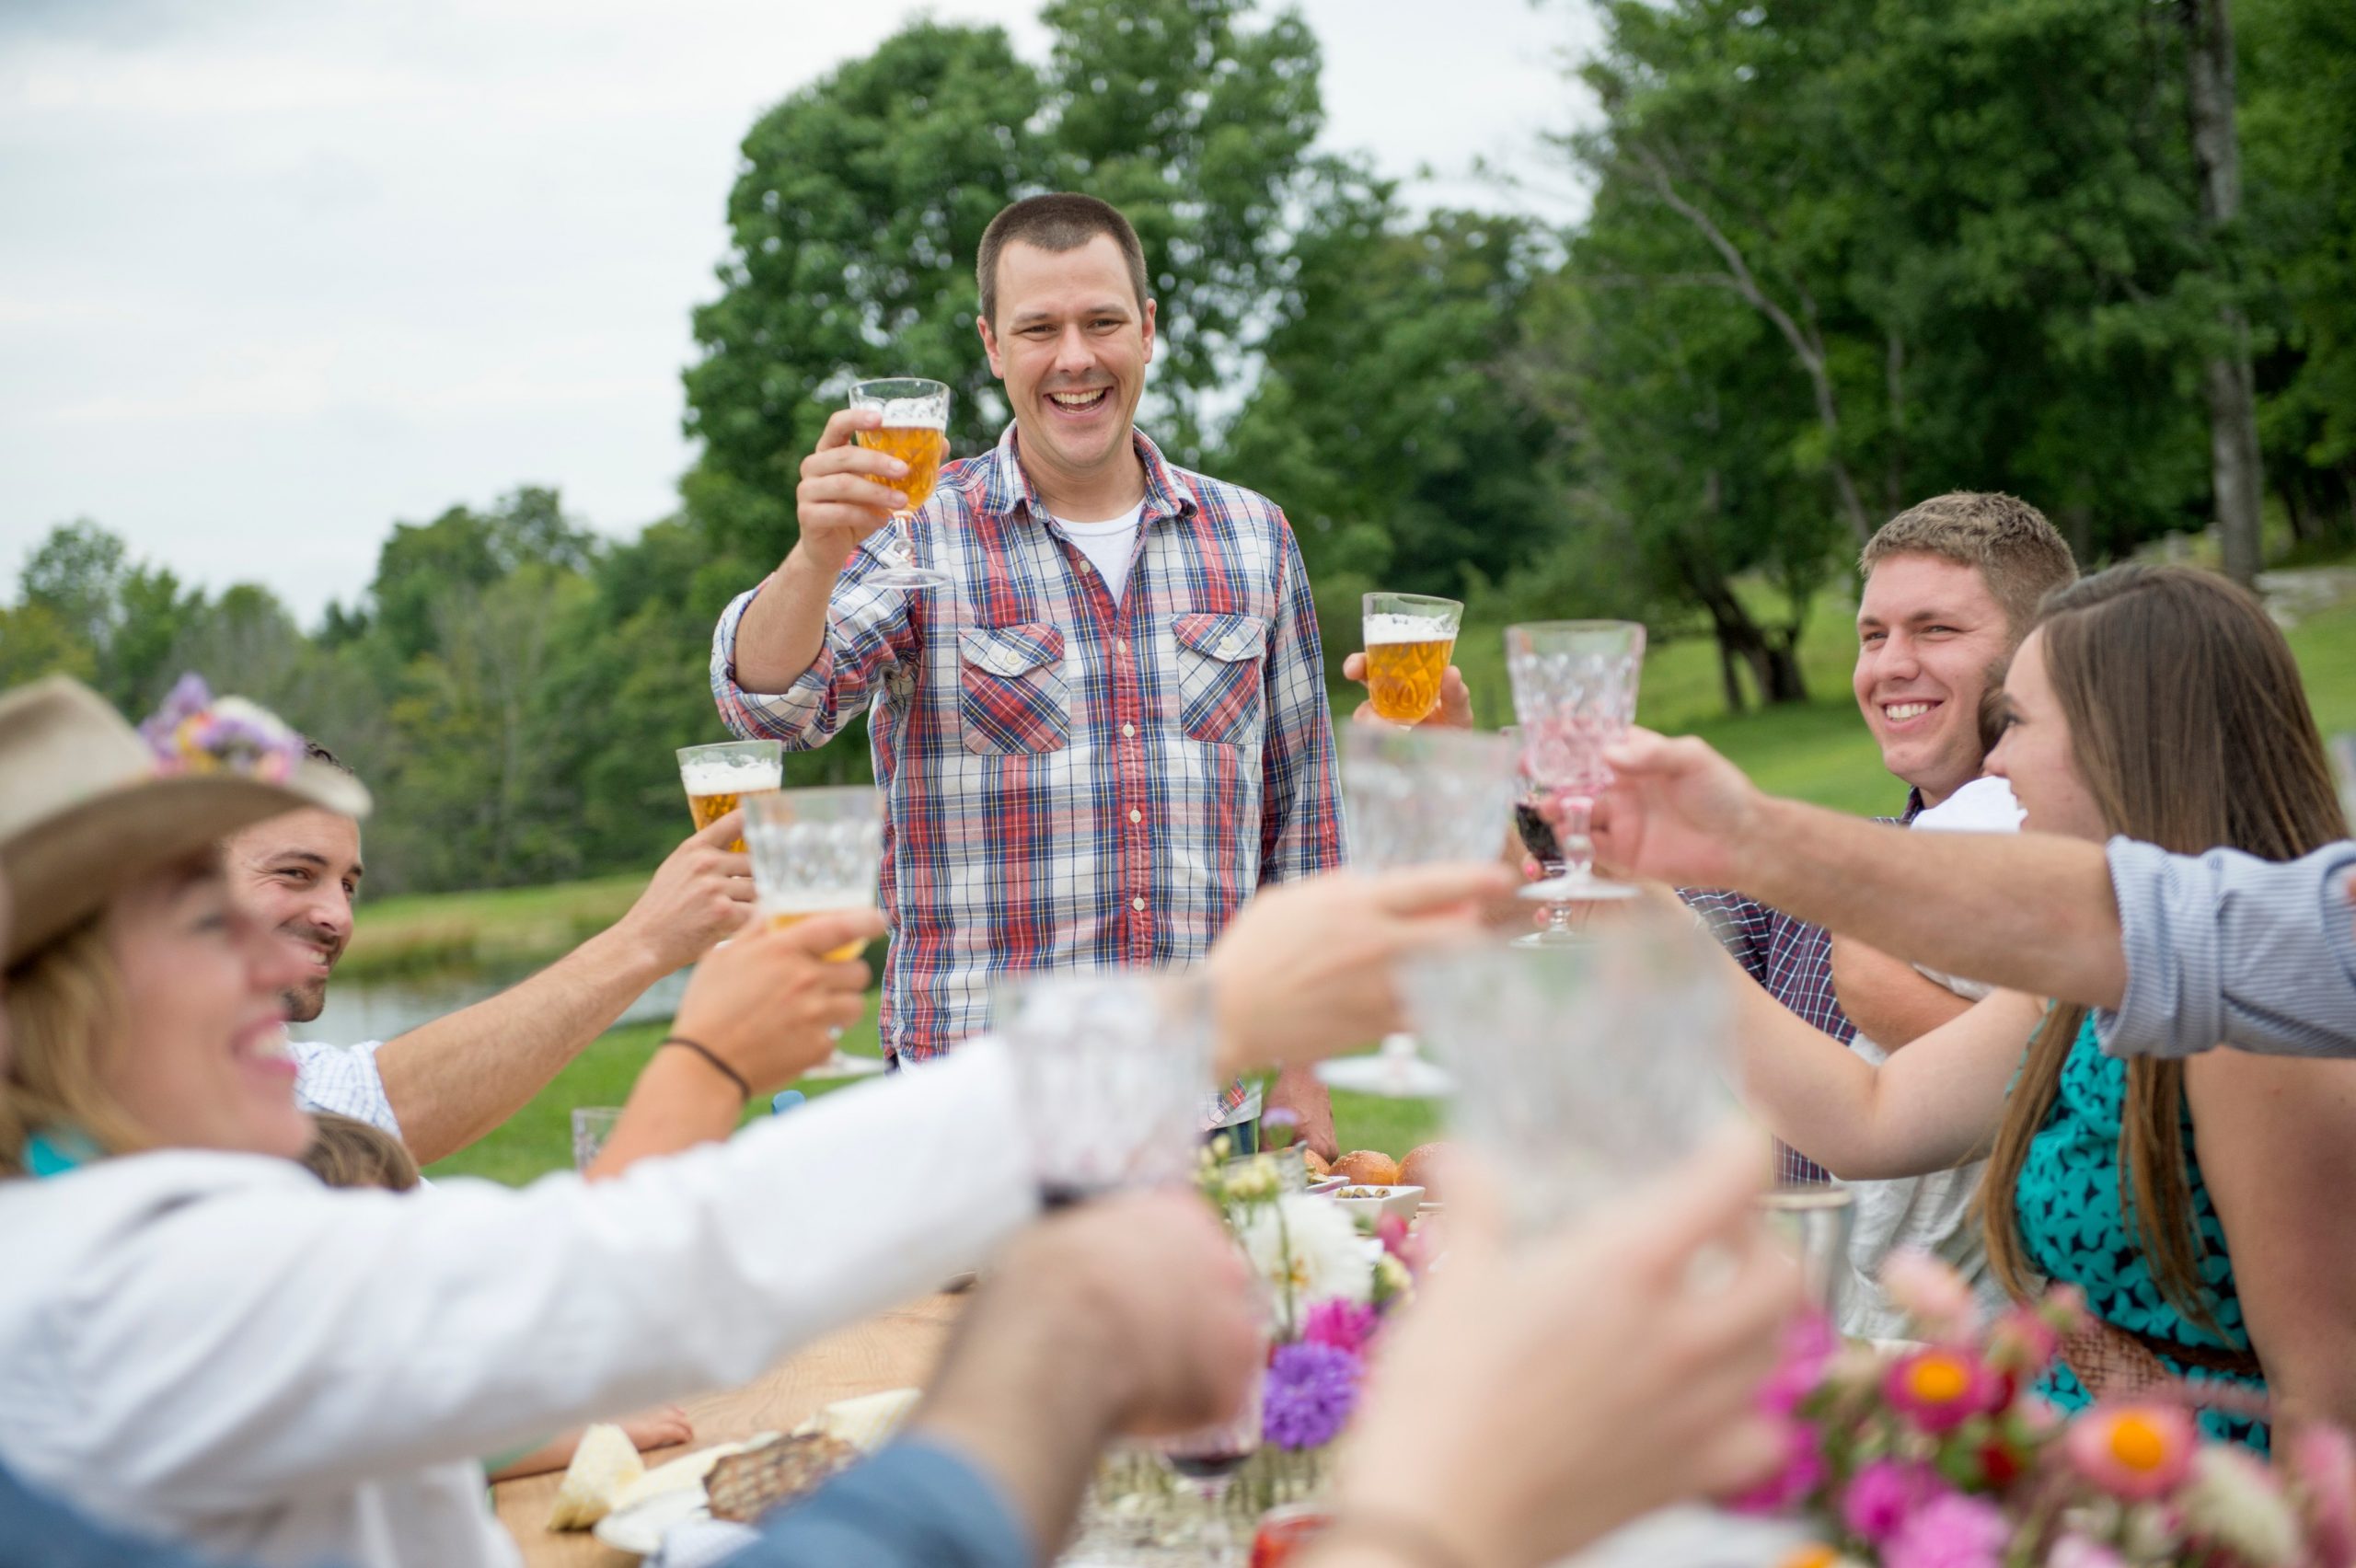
(88, 805)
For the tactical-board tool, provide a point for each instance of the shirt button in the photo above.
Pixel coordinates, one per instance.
(1136, 815)
(1128, 732)
(1120, 645)
(1138, 905)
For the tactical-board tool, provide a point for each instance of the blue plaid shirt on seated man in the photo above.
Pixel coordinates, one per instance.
(1793, 962)
(1071, 783)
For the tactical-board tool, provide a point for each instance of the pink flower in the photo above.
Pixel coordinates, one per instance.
(2322, 1463)
(1345, 1325)
(1883, 1494)
(1953, 1531)
(1930, 1293)
(2137, 1452)
(1796, 1479)
(1808, 1346)
(1938, 1389)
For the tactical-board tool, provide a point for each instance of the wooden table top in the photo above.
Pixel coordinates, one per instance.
(893, 1350)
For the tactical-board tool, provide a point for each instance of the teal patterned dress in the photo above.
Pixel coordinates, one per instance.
(2073, 1226)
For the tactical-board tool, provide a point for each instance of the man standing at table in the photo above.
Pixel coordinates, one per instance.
(1114, 727)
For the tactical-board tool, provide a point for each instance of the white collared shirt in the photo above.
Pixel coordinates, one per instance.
(343, 1079)
(215, 1348)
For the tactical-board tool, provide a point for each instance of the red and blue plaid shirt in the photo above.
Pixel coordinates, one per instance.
(1792, 961)
(1071, 784)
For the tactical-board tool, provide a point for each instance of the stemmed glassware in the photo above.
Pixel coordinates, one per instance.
(1206, 1459)
(915, 431)
(1574, 693)
(1413, 798)
(1582, 1067)
(1538, 837)
(1113, 1072)
(814, 852)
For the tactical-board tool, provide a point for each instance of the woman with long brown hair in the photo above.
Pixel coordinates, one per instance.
(2197, 1204)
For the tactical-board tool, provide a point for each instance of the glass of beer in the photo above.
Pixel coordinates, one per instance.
(1408, 639)
(817, 852)
(915, 431)
(718, 777)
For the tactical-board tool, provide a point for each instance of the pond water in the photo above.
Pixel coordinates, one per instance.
(378, 1009)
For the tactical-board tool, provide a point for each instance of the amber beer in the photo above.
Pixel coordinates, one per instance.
(1408, 639)
(718, 777)
(922, 447)
(821, 904)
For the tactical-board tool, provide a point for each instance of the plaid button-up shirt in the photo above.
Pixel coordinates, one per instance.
(1071, 784)
(1793, 962)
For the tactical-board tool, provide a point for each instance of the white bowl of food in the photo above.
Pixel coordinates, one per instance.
(1368, 1204)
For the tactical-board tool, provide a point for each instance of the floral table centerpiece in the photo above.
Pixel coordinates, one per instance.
(1939, 1456)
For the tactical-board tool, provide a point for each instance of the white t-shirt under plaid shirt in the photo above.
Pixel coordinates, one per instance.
(1072, 783)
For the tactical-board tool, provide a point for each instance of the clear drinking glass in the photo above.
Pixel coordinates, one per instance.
(718, 777)
(1414, 798)
(592, 1125)
(1206, 1459)
(1584, 1067)
(915, 431)
(1409, 638)
(2342, 748)
(1814, 1220)
(816, 852)
(1114, 1074)
(1574, 693)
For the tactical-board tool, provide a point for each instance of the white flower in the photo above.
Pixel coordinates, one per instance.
(2233, 1500)
(1308, 1251)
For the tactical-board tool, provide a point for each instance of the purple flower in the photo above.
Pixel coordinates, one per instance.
(1953, 1531)
(1311, 1390)
(1345, 1325)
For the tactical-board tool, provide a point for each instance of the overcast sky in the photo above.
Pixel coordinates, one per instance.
(274, 273)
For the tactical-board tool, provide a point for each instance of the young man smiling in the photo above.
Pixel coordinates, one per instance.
(1950, 587)
(1114, 727)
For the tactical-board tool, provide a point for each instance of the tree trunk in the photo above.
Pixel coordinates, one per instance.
(1774, 669)
(2236, 471)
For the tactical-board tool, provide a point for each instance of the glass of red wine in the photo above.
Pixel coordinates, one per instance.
(1556, 915)
(1206, 1460)
(1114, 1071)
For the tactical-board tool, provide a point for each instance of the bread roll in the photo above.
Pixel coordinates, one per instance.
(1422, 1168)
(1367, 1167)
(1316, 1164)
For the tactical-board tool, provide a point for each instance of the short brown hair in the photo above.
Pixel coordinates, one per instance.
(352, 1153)
(1064, 221)
(2017, 552)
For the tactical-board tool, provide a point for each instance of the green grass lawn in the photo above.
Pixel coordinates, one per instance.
(1818, 752)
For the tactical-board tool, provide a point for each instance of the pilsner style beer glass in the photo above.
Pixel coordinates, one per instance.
(717, 778)
(817, 852)
(1408, 639)
(915, 431)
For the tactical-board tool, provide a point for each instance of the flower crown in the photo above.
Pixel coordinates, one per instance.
(195, 731)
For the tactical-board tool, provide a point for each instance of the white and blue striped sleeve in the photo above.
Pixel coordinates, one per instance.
(342, 1079)
(2227, 948)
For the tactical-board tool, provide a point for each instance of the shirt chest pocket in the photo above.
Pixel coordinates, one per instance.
(1220, 659)
(1012, 699)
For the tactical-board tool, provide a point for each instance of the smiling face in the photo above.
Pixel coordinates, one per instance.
(2035, 754)
(203, 1062)
(1929, 635)
(298, 874)
(1071, 341)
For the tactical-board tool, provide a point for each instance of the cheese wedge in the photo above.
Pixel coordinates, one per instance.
(606, 1463)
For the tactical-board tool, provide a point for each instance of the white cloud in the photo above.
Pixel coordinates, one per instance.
(277, 272)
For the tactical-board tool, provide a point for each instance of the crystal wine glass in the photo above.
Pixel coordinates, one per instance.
(915, 431)
(1206, 1459)
(1114, 1074)
(1582, 1067)
(816, 851)
(1537, 838)
(1416, 797)
(1574, 692)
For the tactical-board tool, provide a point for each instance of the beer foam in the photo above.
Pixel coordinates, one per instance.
(913, 413)
(817, 900)
(730, 778)
(1407, 629)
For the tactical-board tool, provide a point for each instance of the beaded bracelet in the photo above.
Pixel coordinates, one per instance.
(744, 1088)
